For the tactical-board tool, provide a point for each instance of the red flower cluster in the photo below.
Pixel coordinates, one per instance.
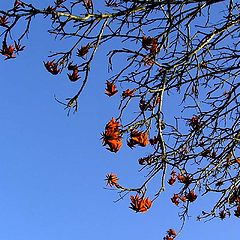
(138, 138)
(140, 204)
(52, 67)
(112, 136)
(110, 89)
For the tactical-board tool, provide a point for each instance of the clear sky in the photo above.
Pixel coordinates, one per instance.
(52, 167)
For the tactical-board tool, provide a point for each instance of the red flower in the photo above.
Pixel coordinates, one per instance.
(140, 204)
(175, 199)
(168, 238)
(191, 196)
(72, 67)
(74, 76)
(206, 153)
(8, 51)
(110, 89)
(184, 179)
(148, 42)
(52, 67)
(171, 181)
(183, 198)
(112, 180)
(195, 123)
(128, 93)
(82, 52)
(151, 44)
(172, 232)
(138, 138)
(112, 136)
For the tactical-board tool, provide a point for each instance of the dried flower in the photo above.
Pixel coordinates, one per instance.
(151, 44)
(52, 67)
(195, 123)
(18, 47)
(172, 232)
(206, 153)
(172, 180)
(128, 93)
(4, 21)
(184, 179)
(222, 214)
(110, 89)
(82, 52)
(203, 64)
(18, 4)
(74, 76)
(72, 66)
(145, 160)
(191, 196)
(88, 3)
(143, 105)
(175, 199)
(8, 51)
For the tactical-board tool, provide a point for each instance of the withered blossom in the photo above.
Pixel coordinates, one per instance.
(110, 89)
(52, 67)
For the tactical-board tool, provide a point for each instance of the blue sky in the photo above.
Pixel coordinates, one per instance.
(52, 167)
